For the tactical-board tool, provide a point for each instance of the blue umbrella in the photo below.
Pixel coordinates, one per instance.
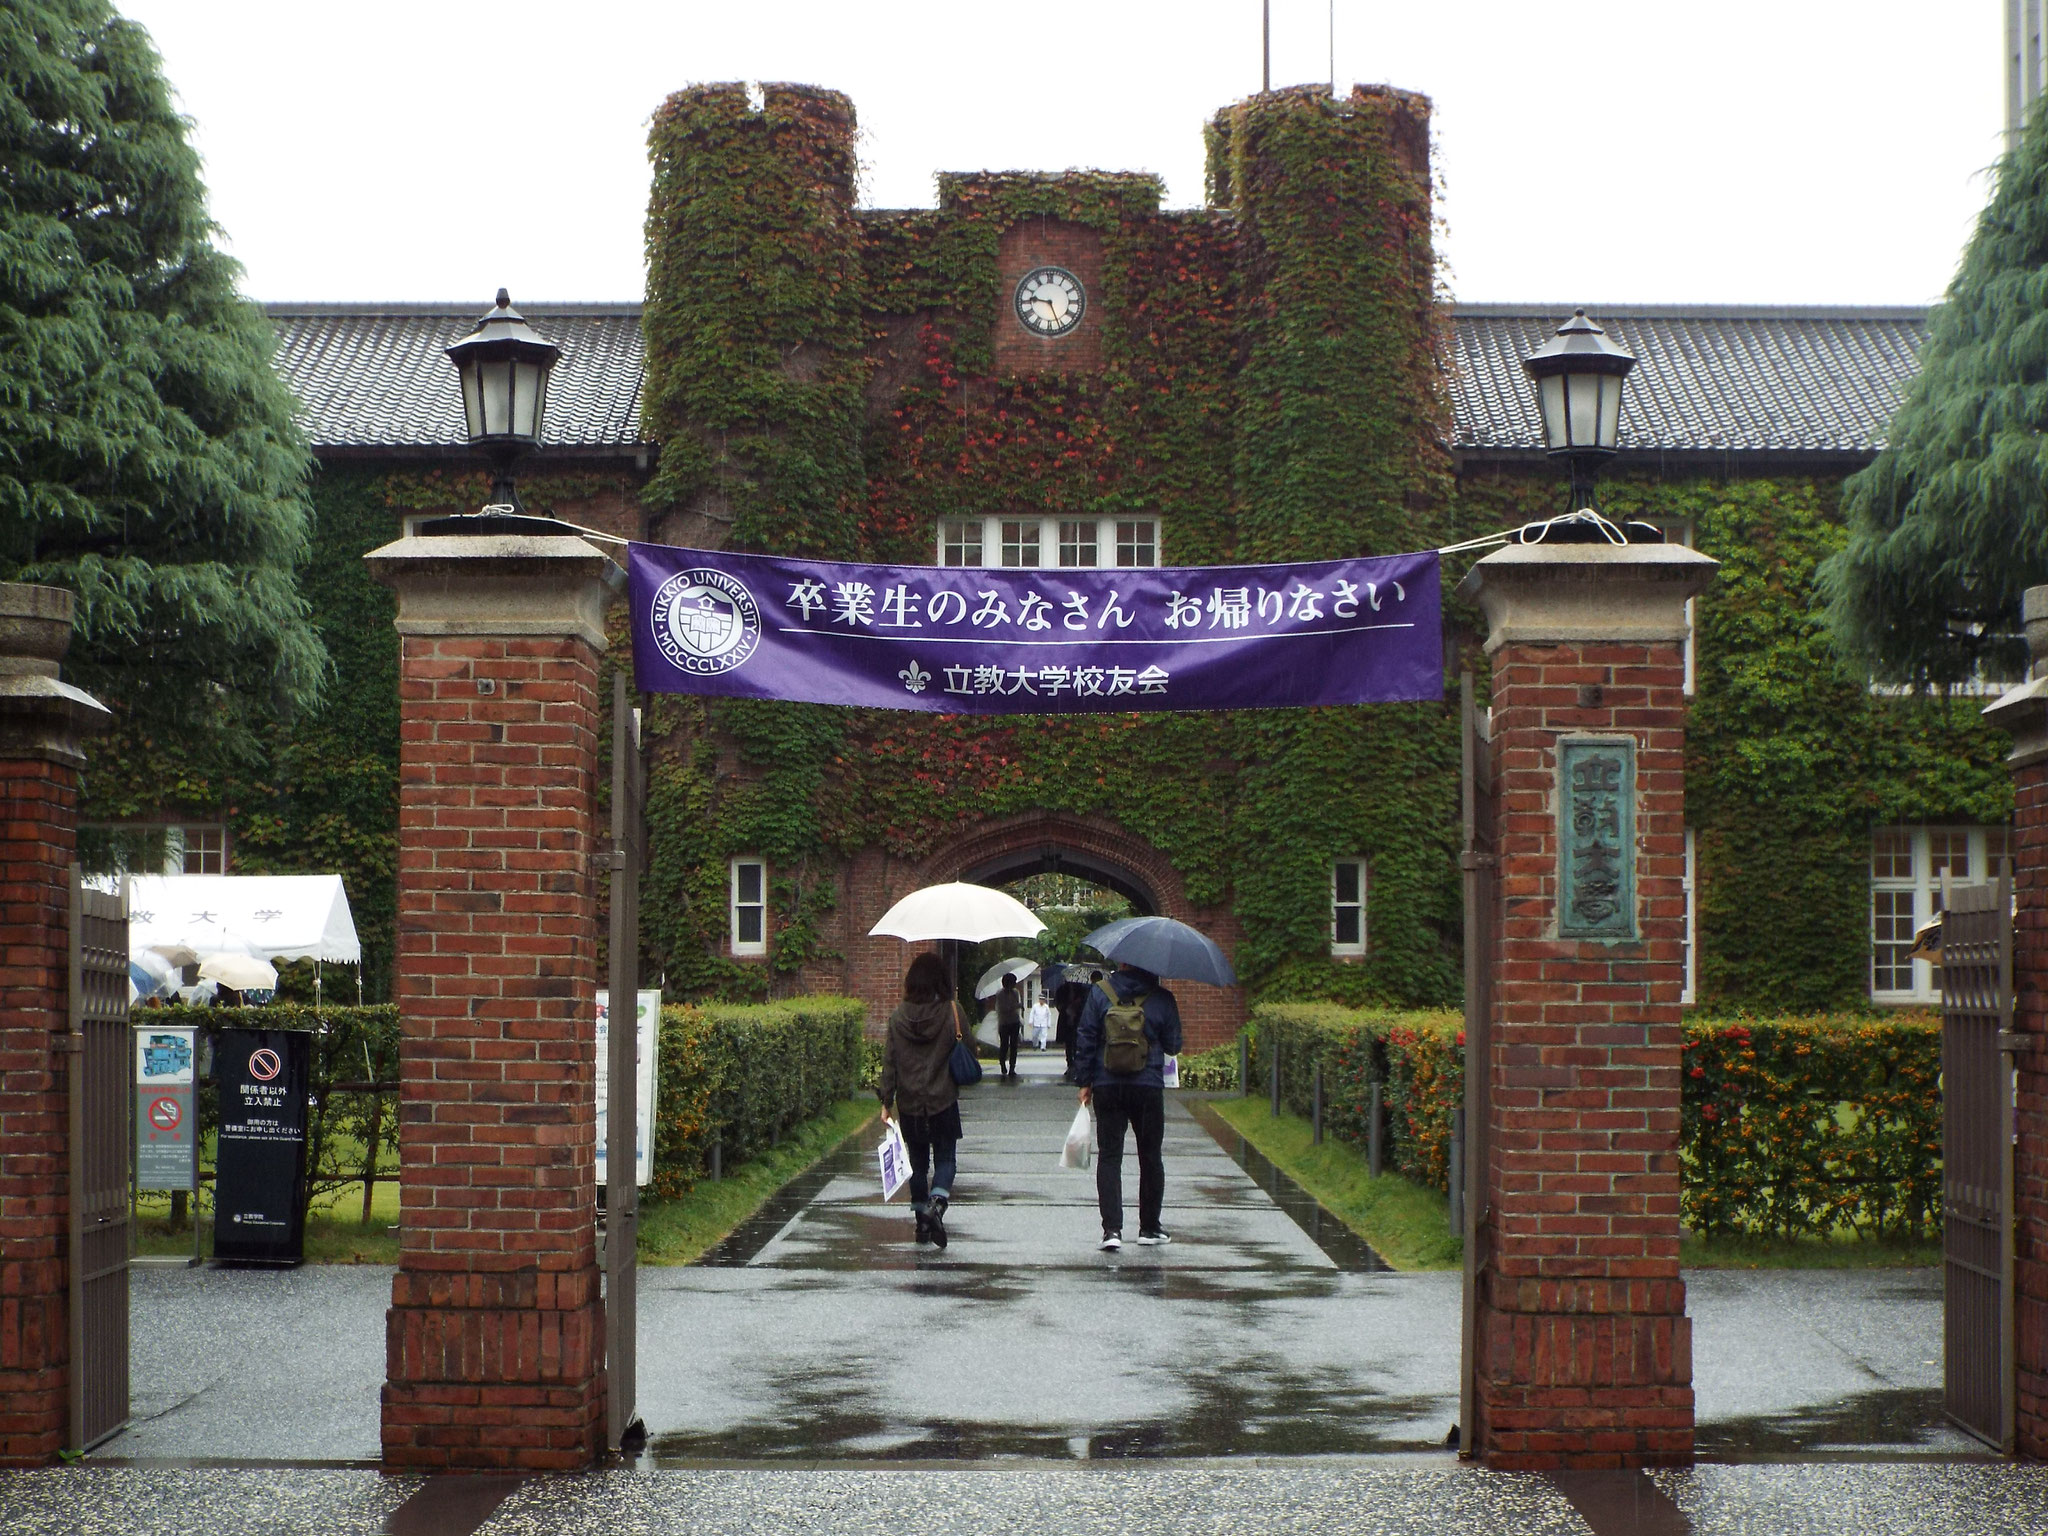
(1165, 948)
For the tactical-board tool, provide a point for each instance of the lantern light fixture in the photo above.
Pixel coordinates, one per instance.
(1577, 378)
(504, 365)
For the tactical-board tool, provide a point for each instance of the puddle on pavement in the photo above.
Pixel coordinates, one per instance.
(825, 1415)
(1891, 1419)
(1346, 1249)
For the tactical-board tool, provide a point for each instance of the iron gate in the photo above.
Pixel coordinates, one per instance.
(622, 1191)
(1976, 1159)
(102, 1056)
(1478, 862)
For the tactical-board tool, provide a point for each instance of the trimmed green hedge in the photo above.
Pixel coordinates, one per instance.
(1812, 1124)
(736, 1076)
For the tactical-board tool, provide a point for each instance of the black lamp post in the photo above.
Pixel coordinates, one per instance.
(1577, 376)
(504, 365)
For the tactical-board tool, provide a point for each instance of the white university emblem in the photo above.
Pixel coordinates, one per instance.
(705, 622)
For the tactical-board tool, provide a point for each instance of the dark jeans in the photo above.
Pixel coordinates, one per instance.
(1007, 1036)
(930, 1139)
(1144, 1110)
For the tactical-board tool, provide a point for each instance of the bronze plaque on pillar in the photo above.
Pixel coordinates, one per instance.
(1596, 837)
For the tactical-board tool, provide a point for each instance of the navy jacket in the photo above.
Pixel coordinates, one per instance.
(1162, 1029)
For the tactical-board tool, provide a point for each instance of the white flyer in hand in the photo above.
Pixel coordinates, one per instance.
(1169, 1075)
(895, 1159)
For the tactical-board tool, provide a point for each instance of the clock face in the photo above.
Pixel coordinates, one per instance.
(1050, 301)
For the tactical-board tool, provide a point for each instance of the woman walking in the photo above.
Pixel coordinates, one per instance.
(917, 1084)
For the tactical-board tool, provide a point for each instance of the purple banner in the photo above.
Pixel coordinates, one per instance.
(974, 640)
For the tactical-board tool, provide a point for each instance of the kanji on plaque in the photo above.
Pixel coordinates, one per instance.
(1596, 838)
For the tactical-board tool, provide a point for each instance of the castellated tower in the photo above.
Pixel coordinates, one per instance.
(754, 315)
(1341, 418)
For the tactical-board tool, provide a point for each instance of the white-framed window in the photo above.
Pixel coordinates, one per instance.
(1689, 989)
(1023, 543)
(196, 850)
(1906, 866)
(749, 915)
(1347, 907)
(1678, 530)
(960, 541)
(1036, 543)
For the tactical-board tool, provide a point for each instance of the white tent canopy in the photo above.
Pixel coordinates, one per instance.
(274, 917)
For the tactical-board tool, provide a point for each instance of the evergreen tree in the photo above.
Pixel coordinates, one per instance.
(148, 457)
(1949, 525)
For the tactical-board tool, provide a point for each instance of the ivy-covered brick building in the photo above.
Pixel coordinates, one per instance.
(1052, 370)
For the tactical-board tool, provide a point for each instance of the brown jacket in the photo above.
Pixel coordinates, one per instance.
(916, 1079)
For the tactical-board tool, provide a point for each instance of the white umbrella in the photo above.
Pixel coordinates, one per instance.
(245, 973)
(992, 979)
(972, 913)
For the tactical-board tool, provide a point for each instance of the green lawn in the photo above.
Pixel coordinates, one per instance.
(1407, 1225)
(677, 1231)
(671, 1231)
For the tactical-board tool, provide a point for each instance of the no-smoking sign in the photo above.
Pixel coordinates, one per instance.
(165, 1114)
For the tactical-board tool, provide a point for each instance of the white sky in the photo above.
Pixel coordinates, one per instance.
(1740, 151)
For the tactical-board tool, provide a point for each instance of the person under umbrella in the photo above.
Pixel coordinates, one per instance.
(1128, 1028)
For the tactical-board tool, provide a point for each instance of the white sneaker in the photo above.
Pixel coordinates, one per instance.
(1112, 1242)
(1157, 1239)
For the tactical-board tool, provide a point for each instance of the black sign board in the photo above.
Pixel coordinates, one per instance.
(261, 1190)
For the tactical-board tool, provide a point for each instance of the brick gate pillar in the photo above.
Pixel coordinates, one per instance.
(494, 1344)
(2024, 713)
(42, 722)
(1584, 1351)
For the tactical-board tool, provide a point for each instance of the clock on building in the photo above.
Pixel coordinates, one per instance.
(1050, 301)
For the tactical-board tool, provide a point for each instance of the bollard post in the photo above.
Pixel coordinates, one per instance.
(1276, 1076)
(1244, 1069)
(1372, 1129)
(1316, 1133)
(1457, 1172)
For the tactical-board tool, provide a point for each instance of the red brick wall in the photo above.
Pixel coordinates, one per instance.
(1585, 1352)
(495, 1337)
(873, 967)
(2030, 1153)
(1043, 242)
(35, 908)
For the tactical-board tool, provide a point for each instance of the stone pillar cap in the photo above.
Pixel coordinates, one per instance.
(500, 584)
(1546, 594)
(41, 715)
(35, 628)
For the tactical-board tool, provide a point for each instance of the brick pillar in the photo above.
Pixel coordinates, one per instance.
(42, 721)
(1584, 1352)
(494, 1344)
(2024, 712)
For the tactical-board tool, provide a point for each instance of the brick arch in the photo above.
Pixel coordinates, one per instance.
(1002, 850)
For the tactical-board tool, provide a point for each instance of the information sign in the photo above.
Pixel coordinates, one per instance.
(262, 1152)
(647, 1033)
(166, 1114)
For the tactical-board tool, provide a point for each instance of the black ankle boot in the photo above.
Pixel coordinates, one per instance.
(935, 1221)
(924, 1228)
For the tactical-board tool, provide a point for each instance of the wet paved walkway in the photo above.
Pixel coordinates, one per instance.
(824, 1374)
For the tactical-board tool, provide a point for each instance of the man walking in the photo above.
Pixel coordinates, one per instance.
(1009, 1025)
(1129, 1027)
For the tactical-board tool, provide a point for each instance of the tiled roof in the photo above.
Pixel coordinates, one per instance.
(1707, 379)
(374, 375)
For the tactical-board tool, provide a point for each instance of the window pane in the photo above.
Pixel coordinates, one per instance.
(1079, 544)
(1948, 849)
(749, 883)
(1891, 936)
(1891, 854)
(1020, 543)
(1350, 926)
(749, 929)
(960, 541)
(1997, 849)
(205, 850)
(1347, 882)
(1137, 543)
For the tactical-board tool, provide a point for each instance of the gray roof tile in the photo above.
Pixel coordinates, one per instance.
(1708, 379)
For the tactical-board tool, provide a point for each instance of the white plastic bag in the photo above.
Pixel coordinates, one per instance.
(1169, 1075)
(1080, 1136)
(895, 1160)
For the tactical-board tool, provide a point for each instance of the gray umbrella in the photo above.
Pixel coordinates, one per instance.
(1165, 948)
